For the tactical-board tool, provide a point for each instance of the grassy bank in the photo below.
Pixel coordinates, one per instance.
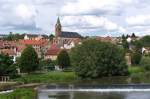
(20, 94)
(7, 85)
(51, 77)
(135, 70)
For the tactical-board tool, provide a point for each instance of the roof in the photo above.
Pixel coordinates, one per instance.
(35, 35)
(33, 42)
(8, 51)
(53, 50)
(70, 34)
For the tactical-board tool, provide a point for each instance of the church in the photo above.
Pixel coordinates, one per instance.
(65, 39)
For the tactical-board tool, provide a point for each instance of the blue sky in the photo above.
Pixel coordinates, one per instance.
(88, 17)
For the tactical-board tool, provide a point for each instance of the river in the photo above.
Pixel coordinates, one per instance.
(95, 91)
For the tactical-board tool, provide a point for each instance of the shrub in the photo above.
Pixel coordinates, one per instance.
(63, 59)
(29, 61)
(93, 59)
(145, 63)
(136, 58)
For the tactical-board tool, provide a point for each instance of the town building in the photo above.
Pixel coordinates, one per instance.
(63, 40)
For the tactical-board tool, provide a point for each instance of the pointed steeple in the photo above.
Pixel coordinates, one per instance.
(58, 28)
(58, 24)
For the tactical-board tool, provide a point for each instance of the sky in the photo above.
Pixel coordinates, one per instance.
(87, 17)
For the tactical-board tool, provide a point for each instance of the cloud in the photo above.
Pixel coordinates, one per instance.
(88, 23)
(88, 17)
(85, 7)
(138, 20)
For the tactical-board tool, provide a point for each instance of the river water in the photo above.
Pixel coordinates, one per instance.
(114, 91)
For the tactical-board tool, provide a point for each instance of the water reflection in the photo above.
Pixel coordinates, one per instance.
(94, 95)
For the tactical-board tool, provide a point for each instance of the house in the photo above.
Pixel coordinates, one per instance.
(52, 52)
(113, 40)
(40, 46)
(34, 37)
(8, 48)
(146, 50)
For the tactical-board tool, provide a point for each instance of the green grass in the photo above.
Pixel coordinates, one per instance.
(51, 77)
(7, 85)
(135, 70)
(22, 93)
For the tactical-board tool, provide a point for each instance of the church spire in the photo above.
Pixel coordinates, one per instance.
(58, 28)
(58, 21)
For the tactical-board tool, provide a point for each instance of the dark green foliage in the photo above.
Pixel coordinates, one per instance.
(12, 37)
(51, 37)
(145, 62)
(125, 44)
(93, 59)
(136, 58)
(63, 59)
(6, 67)
(47, 65)
(22, 93)
(136, 54)
(29, 61)
(145, 41)
(133, 35)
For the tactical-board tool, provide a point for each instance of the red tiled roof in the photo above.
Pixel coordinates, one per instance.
(8, 51)
(53, 50)
(21, 48)
(33, 42)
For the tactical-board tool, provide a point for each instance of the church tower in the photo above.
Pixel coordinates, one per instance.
(58, 28)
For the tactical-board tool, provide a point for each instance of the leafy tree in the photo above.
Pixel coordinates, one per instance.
(136, 58)
(51, 37)
(93, 59)
(145, 41)
(29, 61)
(63, 59)
(47, 65)
(12, 37)
(136, 54)
(125, 44)
(133, 35)
(145, 62)
(6, 67)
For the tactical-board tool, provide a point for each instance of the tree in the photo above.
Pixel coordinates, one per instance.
(145, 41)
(133, 35)
(6, 67)
(136, 57)
(12, 37)
(136, 54)
(145, 63)
(93, 59)
(63, 59)
(47, 65)
(51, 37)
(29, 61)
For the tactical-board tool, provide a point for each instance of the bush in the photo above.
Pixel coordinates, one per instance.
(48, 65)
(29, 61)
(136, 58)
(63, 59)
(6, 66)
(145, 63)
(93, 59)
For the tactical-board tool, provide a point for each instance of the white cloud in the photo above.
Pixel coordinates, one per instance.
(91, 6)
(138, 20)
(25, 11)
(90, 23)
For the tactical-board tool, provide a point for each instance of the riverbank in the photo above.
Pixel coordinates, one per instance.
(22, 93)
(50, 77)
